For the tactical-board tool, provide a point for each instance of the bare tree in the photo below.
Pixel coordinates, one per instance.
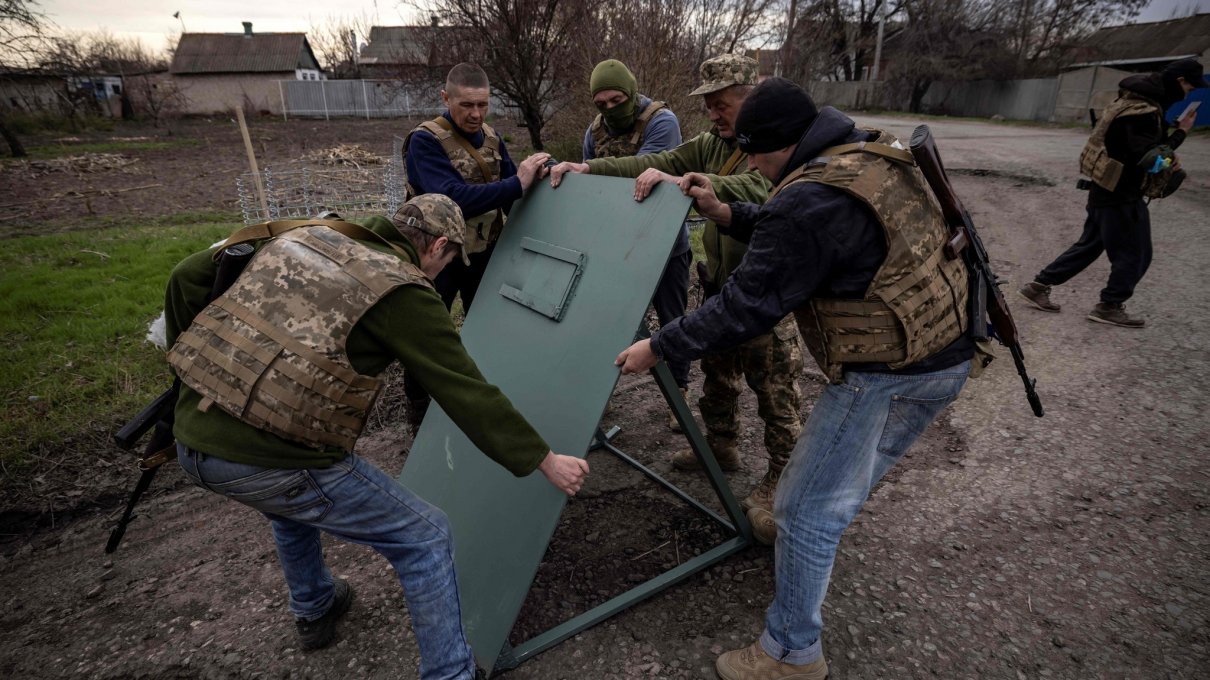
(525, 47)
(833, 39)
(656, 41)
(336, 40)
(732, 25)
(943, 40)
(22, 28)
(1041, 32)
(157, 95)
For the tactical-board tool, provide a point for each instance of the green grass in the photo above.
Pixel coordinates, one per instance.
(74, 309)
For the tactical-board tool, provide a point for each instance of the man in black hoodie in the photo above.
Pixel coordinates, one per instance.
(1130, 133)
(851, 243)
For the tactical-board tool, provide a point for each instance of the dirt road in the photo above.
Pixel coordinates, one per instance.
(1005, 546)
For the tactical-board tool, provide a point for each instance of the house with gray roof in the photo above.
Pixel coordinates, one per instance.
(1101, 60)
(411, 53)
(219, 71)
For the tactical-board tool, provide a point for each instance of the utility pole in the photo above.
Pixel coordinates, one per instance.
(878, 46)
(786, 55)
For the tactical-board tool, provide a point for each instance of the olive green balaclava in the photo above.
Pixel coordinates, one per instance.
(612, 74)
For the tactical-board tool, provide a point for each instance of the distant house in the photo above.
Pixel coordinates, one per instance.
(218, 71)
(1102, 59)
(1145, 47)
(410, 52)
(30, 90)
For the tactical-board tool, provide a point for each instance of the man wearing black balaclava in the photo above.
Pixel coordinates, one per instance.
(1130, 160)
(852, 243)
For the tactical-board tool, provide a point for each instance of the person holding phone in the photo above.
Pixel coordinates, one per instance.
(1130, 158)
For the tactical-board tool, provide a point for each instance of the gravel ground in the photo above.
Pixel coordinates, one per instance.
(1004, 546)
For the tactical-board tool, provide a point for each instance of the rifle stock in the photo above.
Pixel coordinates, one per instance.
(986, 298)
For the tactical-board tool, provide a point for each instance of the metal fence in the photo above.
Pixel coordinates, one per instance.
(365, 99)
(351, 192)
(1032, 99)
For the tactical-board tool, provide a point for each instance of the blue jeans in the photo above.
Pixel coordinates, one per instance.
(357, 502)
(857, 430)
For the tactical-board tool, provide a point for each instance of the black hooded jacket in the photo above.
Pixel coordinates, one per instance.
(1130, 137)
(810, 240)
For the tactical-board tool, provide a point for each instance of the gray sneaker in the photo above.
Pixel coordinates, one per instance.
(1038, 295)
(1114, 314)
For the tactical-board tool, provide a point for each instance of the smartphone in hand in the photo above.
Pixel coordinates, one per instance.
(1190, 110)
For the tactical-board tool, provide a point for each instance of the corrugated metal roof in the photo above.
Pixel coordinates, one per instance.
(237, 53)
(1154, 41)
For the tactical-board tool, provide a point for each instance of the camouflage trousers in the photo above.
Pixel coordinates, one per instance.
(771, 365)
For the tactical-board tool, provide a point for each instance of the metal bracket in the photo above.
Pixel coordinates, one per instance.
(551, 279)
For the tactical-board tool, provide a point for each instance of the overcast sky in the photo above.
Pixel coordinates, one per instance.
(151, 20)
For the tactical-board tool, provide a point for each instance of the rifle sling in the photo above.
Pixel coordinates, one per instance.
(732, 162)
(267, 230)
(885, 150)
(484, 170)
(158, 458)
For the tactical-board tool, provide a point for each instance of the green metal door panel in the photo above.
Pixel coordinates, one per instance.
(568, 284)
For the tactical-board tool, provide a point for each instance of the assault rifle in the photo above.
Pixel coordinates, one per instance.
(986, 301)
(160, 413)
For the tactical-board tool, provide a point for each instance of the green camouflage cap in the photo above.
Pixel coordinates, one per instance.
(726, 70)
(434, 214)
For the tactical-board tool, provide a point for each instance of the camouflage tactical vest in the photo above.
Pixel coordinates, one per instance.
(916, 304)
(1095, 162)
(477, 166)
(604, 146)
(271, 350)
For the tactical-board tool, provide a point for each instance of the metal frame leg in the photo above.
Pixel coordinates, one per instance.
(510, 657)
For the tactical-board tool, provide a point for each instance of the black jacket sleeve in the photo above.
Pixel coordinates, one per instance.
(809, 239)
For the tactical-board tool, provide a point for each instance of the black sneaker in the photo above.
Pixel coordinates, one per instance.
(1115, 315)
(319, 633)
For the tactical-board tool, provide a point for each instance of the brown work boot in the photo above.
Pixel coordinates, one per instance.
(1114, 314)
(752, 663)
(727, 456)
(764, 529)
(1038, 295)
(673, 423)
(762, 495)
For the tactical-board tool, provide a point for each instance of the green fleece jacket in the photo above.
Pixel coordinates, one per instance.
(410, 324)
(706, 153)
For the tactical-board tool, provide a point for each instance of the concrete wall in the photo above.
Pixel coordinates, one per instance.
(1032, 99)
(219, 93)
(1087, 88)
(32, 94)
(848, 96)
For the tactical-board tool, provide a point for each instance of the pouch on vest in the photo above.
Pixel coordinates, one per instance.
(1162, 175)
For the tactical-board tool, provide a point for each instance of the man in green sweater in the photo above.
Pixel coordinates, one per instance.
(770, 363)
(278, 377)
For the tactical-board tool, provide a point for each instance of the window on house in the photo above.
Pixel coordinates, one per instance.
(117, 89)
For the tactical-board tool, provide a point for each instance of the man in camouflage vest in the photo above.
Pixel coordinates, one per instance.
(459, 155)
(1130, 159)
(278, 375)
(630, 124)
(850, 241)
(770, 363)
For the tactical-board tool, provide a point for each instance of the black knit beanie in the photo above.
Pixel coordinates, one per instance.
(774, 116)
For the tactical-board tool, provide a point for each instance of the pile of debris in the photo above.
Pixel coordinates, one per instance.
(346, 154)
(84, 164)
